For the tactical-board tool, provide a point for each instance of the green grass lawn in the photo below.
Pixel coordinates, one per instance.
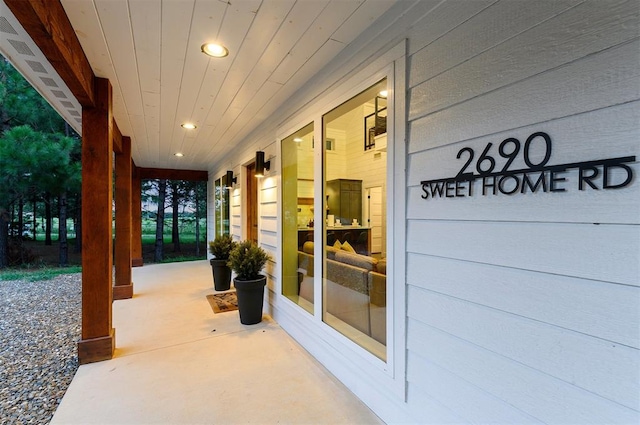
(187, 231)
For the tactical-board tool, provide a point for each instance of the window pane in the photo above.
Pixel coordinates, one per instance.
(221, 207)
(354, 272)
(297, 222)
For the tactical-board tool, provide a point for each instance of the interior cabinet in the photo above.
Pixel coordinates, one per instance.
(344, 199)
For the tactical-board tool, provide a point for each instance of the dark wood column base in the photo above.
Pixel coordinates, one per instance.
(97, 349)
(137, 262)
(122, 292)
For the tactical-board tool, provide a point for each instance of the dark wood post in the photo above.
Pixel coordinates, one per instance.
(98, 336)
(136, 215)
(123, 288)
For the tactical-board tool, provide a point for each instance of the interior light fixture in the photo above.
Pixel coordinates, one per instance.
(261, 164)
(383, 93)
(188, 126)
(230, 180)
(297, 139)
(178, 154)
(214, 50)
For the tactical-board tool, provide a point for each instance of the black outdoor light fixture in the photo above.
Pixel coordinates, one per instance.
(230, 180)
(261, 164)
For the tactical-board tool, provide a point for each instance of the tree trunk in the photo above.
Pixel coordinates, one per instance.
(4, 238)
(78, 225)
(175, 233)
(47, 217)
(197, 222)
(20, 217)
(62, 230)
(159, 248)
(35, 223)
(20, 227)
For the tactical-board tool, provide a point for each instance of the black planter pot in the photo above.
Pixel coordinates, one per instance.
(250, 298)
(221, 274)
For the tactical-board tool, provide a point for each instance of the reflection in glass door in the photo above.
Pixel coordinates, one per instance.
(221, 207)
(298, 230)
(355, 264)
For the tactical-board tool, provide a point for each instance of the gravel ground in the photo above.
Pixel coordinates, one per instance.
(39, 330)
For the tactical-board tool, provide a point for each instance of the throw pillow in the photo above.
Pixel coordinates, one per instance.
(308, 247)
(346, 246)
(337, 245)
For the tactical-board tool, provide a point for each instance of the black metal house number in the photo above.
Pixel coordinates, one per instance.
(537, 176)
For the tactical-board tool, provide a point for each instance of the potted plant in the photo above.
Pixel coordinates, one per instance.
(247, 260)
(220, 248)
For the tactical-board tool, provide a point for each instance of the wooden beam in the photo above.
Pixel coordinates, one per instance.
(136, 218)
(123, 288)
(98, 337)
(48, 25)
(169, 174)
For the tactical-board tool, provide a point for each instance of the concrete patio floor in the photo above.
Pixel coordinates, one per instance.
(178, 363)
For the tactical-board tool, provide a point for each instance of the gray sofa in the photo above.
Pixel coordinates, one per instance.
(355, 289)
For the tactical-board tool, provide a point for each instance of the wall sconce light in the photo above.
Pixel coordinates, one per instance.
(230, 180)
(261, 164)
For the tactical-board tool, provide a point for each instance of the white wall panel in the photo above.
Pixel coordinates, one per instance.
(429, 410)
(578, 32)
(581, 305)
(598, 366)
(431, 384)
(491, 27)
(584, 85)
(576, 138)
(441, 19)
(601, 252)
(541, 396)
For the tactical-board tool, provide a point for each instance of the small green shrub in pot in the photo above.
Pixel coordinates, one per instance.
(221, 247)
(247, 260)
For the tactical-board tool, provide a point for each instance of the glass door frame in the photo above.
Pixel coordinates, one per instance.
(392, 66)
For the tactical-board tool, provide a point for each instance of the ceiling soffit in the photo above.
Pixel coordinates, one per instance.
(150, 52)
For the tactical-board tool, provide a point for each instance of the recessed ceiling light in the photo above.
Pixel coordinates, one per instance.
(383, 93)
(188, 126)
(179, 154)
(214, 50)
(297, 140)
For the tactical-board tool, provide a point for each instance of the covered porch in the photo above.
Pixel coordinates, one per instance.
(178, 362)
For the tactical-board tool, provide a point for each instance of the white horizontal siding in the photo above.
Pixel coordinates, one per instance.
(431, 385)
(604, 310)
(606, 252)
(235, 212)
(576, 138)
(583, 85)
(574, 34)
(499, 22)
(539, 395)
(614, 369)
(431, 412)
(525, 308)
(579, 137)
(268, 224)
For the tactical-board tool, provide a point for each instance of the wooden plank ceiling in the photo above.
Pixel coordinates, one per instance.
(150, 50)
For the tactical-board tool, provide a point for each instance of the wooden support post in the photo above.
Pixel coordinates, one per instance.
(97, 342)
(123, 288)
(136, 216)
